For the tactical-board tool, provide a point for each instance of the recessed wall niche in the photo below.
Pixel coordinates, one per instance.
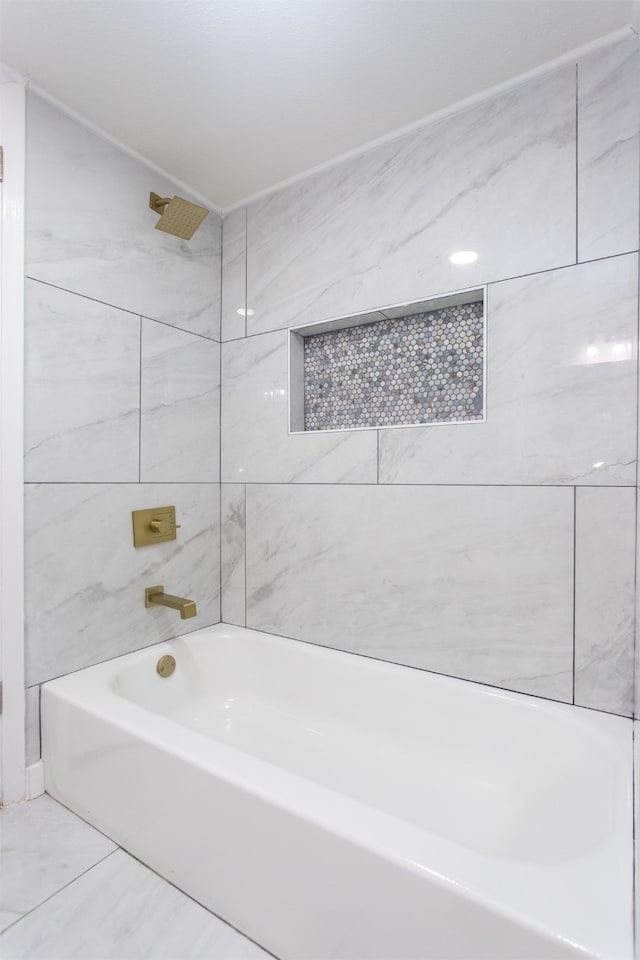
(412, 364)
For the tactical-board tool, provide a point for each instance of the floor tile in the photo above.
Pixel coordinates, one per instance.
(121, 910)
(43, 847)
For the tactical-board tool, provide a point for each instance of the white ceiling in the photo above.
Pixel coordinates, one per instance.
(234, 97)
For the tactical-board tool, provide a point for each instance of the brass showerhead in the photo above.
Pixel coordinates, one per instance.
(179, 217)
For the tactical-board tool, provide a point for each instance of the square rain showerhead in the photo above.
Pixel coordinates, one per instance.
(180, 217)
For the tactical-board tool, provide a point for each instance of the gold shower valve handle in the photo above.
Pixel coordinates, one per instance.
(163, 526)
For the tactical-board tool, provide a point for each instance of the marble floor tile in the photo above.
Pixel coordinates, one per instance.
(121, 910)
(256, 444)
(43, 848)
(82, 388)
(180, 406)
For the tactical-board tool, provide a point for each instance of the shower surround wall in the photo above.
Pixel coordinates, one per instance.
(500, 552)
(122, 404)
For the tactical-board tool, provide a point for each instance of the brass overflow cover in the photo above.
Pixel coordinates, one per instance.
(166, 665)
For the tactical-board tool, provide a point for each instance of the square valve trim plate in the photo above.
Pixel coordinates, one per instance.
(156, 525)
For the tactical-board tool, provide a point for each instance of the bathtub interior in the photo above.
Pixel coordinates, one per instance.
(495, 772)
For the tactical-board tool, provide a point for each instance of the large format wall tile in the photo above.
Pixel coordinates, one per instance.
(85, 581)
(608, 150)
(497, 178)
(90, 230)
(605, 572)
(180, 406)
(256, 445)
(561, 388)
(232, 553)
(475, 582)
(234, 275)
(82, 369)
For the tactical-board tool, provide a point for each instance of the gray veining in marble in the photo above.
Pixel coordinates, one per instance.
(232, 529)
(475, 582)
(85, 598)
(44, 847)
(256, 445)
(180, 406)
(234, 275)
(497, 178)
(89, 228)
(82, 362)
(608, 150)
(32, 724)
(121, 910)
(561, 388)
(605, 571)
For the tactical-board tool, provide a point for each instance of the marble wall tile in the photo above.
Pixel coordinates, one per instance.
(94, 233)
(234, 275)
(85, 581)
(44, 847)
(180, 406)
(605, 572)
(232, 530)
(608, 150)
(497, 178)
(32, 724)
(256, 445)
(475, 582)
(561, 388)
(82, 369)
(121, 909)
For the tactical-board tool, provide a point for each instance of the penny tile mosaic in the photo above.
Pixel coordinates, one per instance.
(422, 368)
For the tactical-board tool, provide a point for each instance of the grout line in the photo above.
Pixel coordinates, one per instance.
(577, 173)
(220, 415)
(487, 283)
(246, 271)
(40, 720)
(245, 555)
(113, 306)
(323, 483)
(64, 887)
(377, 456)
(573, 668)
(140, 409)
(197, 902)
(634, 774)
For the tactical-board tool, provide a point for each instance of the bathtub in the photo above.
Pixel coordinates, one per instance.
(333, 806)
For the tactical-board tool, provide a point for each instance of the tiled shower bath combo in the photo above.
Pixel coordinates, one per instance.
(451, 489)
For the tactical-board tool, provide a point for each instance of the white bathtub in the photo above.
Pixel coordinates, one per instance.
(331, 806)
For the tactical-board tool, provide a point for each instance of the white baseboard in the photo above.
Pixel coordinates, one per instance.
(34, 783)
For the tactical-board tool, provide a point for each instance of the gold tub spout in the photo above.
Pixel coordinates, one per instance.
(156, 597)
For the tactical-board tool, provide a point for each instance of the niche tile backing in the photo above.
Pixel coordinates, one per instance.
(423, 368)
